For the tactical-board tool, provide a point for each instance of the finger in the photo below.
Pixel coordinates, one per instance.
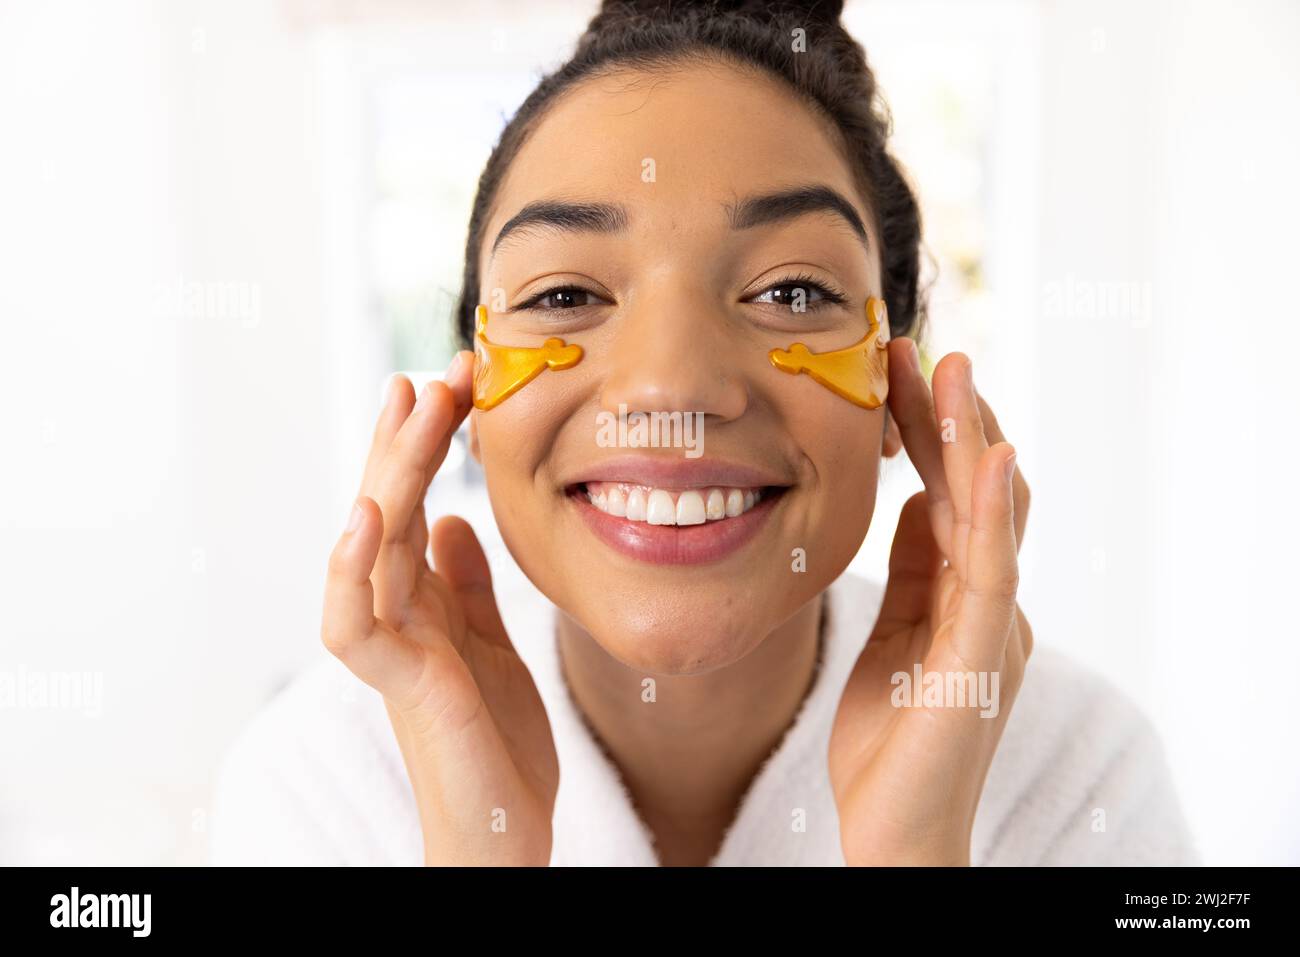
(349, 629)
(1012, 676)
(913, 563)
(399, 398)
(993, 432)
(400, 486)
(417, 532)
(1025, 633)
(459, 560)
(459, 381)
(414, 455)
(460, 377)
(959, 420)
(1019, 646)
(987, 610)
(912, 406)
(401, 483)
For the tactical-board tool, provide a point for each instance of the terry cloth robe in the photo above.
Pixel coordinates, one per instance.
(317, 778)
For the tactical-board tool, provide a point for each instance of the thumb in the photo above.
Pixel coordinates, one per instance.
(458, 558)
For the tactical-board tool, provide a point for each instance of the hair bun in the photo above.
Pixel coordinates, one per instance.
(824, 11)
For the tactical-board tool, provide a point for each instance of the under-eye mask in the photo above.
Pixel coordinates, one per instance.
(501, 371)
(859, 373)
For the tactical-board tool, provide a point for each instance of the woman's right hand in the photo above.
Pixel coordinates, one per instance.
(471, 726)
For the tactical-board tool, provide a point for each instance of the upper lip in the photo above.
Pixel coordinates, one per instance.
(655, 471)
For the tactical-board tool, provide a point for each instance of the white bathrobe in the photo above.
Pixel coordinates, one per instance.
(1079, 777)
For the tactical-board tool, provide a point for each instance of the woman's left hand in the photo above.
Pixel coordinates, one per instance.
(907, 770)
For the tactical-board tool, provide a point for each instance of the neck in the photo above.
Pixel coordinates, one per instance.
(688, 758)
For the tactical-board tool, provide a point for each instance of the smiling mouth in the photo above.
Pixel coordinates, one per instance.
(674, 526)
(682, 507)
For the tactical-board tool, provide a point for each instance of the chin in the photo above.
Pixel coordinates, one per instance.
(682, 643)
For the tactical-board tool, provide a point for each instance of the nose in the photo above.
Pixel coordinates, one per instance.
(674, 353)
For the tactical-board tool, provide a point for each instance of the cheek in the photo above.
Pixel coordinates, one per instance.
(511, 446)
(844, 454)
(516, 436)
(517, 441)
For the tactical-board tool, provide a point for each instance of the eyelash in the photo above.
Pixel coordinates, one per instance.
(829, 296)
(531, 304)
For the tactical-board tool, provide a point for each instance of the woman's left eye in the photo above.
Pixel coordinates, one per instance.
(798, 294)
(561, 298)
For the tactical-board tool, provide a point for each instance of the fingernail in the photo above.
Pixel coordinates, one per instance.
(915, 352)
(354, 519)
(386, 395)
(453, 368)
(970, 375)
(1010, 464)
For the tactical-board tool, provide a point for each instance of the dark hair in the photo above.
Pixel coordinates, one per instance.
(830, 73)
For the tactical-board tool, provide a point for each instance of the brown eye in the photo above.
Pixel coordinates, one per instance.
(790, 294)
(799, 293)
(562, 297)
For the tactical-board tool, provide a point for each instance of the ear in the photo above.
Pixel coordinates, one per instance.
(473, 436)
(893, 440)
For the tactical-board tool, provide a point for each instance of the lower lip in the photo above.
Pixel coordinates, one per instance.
(676, 544)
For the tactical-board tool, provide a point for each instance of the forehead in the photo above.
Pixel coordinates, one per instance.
(708, 133)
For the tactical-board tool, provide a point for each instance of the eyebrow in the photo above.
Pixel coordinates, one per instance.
(796, 201)
(763, 210)
(571, 217)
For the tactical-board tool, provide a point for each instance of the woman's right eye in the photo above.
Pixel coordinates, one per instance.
(561, 297)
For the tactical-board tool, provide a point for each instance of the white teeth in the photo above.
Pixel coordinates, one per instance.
(657, 506)
(659, 509)
(636, 505)
(716, 507)
(615, 504)
(735, 502)
(690, 508)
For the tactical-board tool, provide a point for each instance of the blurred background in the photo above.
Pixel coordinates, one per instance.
(223, 224)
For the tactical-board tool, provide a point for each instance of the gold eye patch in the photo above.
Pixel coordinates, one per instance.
(501, 371)
(859, 373)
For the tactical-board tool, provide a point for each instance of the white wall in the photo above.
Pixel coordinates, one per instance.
(163, 507)
(1164, 459)
(173, 477)
(1224, 406)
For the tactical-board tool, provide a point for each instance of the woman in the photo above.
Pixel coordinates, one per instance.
(700, 185)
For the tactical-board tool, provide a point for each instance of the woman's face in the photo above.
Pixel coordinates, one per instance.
(676, 284)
